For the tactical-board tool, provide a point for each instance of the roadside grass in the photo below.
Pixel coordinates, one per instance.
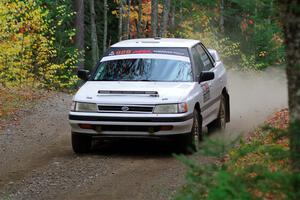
(257, 167)
(13, 99)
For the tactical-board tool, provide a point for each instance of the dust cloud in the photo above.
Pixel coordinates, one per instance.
(254, 97)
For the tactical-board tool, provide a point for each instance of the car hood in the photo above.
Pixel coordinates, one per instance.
(133, 92)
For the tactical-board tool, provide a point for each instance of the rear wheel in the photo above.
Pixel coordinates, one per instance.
(219, 124)
(81, 143)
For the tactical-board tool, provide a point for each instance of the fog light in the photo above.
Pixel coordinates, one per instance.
(166, 128)
(85, 126)
(151, 130)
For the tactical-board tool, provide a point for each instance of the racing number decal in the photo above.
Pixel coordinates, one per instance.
(206, 92)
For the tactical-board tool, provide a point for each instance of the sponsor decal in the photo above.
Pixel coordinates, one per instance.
(206, 92)
(142, 51)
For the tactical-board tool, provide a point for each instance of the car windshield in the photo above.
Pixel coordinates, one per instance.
(160, 70)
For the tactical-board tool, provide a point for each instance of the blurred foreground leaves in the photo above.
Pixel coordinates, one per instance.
(257, 167)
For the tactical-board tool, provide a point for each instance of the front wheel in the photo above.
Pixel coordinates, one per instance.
(81, 143)
(219, 124)
(186, 142)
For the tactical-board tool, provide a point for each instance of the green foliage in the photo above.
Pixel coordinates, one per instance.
(229, 187)
(218, 147)
(199, 179)
(248, 62)
(61, 15)
(259, 32)
(253, 33)
(207, 34)
(295, 140)
(256, 169)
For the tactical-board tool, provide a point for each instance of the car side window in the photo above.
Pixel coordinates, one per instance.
(197, 60)
(207, 52)
(204, 58)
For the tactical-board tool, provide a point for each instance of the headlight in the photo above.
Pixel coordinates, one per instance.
(171, 108)
(85, 107)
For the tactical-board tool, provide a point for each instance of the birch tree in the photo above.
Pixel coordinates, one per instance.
(105, 26)
(139, 22)
(79, 26)
(165, 20)
(128, 19)
(154, 17)
(173, 11)
(121, 13)
(180, 11)
(222, 4)
(95, 49)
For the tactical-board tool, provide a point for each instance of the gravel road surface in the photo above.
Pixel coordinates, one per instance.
(37, 161)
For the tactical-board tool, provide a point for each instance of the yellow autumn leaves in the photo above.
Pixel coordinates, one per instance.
(27, 49)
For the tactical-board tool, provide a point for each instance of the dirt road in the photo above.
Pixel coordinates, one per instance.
(37, 161)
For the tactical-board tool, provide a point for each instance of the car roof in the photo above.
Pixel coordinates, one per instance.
(157, 42)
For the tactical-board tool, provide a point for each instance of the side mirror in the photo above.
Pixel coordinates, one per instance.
(206, 76)
(83, 74)
(214, 54)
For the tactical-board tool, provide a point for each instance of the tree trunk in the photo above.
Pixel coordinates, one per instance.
(291, 22)
(173, 11)
(154, 17)
(105, 26)
(222, 7)
(95, 49)
(165, 20)
(121, 12)
(128, 22)
(271, 12)
(292, 39)
(181, 12)
(79, 25)
(139, 22)
(125, 21)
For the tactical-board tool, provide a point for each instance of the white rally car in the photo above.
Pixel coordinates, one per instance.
(154, 88)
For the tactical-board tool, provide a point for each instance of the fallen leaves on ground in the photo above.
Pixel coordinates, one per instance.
(14, 99)
(265, 151)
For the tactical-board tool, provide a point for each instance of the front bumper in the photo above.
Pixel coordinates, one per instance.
(119, 124)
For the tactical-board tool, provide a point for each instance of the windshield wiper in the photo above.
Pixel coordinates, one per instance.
(105, 80)
(144, 80)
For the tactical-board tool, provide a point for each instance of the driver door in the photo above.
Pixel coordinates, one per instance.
(208, 103)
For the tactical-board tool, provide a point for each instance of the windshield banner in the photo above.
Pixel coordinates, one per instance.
(117, 51)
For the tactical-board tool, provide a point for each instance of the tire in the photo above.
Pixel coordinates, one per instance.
(199, 132)
(81, 143)
(186, 142)
(219, 124)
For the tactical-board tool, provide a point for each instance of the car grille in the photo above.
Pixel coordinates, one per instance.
(143, 109)
(151, 129)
